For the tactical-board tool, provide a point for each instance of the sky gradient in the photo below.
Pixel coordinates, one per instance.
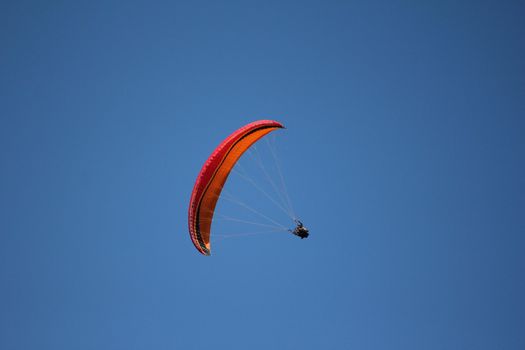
(403, 154)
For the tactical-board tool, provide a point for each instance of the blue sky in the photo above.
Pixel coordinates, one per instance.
(403, 154)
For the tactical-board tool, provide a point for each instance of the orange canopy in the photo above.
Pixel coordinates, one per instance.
(213, 175)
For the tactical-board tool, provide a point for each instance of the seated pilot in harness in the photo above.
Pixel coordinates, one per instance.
(300, 230)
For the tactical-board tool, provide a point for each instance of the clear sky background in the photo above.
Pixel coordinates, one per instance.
(403, 154)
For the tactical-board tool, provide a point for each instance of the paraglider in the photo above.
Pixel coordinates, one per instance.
(300, 230)
(213, 175)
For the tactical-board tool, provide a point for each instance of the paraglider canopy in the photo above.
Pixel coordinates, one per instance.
(213, 175)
